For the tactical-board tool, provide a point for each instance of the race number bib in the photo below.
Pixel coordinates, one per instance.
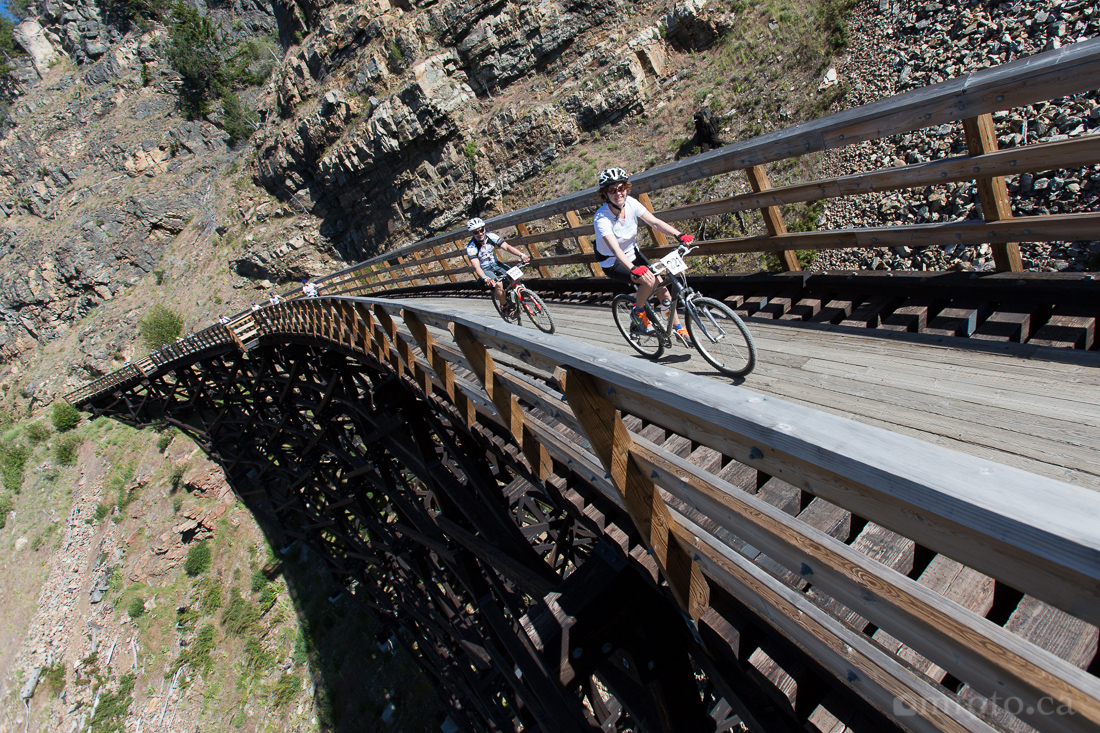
(674, 263)
(515, 273)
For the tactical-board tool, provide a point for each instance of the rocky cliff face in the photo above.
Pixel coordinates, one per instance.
(405, 119)
(383, 122)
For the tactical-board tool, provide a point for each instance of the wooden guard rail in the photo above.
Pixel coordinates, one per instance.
(970, 100)
(1034, 534)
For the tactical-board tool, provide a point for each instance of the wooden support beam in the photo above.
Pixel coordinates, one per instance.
(442, 264)
(773, 218)
(583, 243)
(521, 230)
(981, 138)
(483, 366)
(612, 443)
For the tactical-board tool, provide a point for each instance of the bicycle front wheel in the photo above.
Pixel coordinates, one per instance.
(645, 344)
(721, 337)
(535, 309)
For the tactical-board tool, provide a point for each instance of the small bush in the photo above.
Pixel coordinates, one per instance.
(198, 559)
(285, 688)
(259, 580)
(66, 449)
(160, 326)
(210, 594)
(101, 512)
(175, 478)
(240, 616)
(54, 677)
(110, 714)
(136, 608)
(114, 579)
(37, 432)
(5, 509)
(12, 460)
(257, 659)
(268, 596)
(197, 654)
(64, 417)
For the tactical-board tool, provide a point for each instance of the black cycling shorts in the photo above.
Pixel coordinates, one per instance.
(620, 273)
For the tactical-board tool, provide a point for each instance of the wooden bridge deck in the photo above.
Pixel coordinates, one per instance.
(1034, 408)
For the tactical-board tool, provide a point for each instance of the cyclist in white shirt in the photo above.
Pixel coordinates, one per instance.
(616, 225)
(481, 249)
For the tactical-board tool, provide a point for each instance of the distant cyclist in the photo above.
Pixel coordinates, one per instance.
(481, 249)
(616, 224)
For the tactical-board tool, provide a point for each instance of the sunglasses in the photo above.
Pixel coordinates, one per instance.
(618, 188)
(479, 231)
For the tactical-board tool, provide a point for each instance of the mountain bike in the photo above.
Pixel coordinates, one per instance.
(715, 330)
(519, 300)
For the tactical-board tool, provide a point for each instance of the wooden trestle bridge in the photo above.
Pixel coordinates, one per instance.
(570, 538)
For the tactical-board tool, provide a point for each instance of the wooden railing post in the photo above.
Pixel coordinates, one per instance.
(523, 231)
(443, 371)
(483, 366)
(585, 245)
(442, 264)
(612, 444)
(773, 218)
(981, 138)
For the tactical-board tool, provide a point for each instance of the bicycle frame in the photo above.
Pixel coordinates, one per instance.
(680, 293)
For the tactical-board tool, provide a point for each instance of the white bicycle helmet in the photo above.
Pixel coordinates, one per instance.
(613, 175)
(474, 224)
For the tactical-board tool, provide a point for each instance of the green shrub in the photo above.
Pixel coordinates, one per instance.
(110, 714)
(54, 678)
(5, 509)
(285, 688)
(268, 596)
(197, 654)
(160, 326)
(239, 121)
(114, 579)
(164, 440)
(240, 616)
(210, 594)
(64, 417)
(12, 460)
(66, 448)
(257, 659)
(259, 580)
(37, 432)
(175, 478)
(101, 511)
(136, 608)
(198, 559)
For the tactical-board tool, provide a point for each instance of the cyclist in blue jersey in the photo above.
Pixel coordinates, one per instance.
(481, 249)
(616, 225)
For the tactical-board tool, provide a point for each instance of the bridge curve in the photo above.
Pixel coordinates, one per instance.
(537, 481)
(570, 539)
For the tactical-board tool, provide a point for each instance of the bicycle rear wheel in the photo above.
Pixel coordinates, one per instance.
(646, 345)
(536, 310)
(721, 337)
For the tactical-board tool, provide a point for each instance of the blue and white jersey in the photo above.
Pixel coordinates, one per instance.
(486, 254)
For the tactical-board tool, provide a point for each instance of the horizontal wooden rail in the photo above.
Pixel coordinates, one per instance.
(1071, 69)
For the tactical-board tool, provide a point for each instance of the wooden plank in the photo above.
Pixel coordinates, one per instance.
(1007, 323)
(911, 317)
(981, 138)
(835, 311)
(1069, 327)
(959, 319)
(870, 313)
